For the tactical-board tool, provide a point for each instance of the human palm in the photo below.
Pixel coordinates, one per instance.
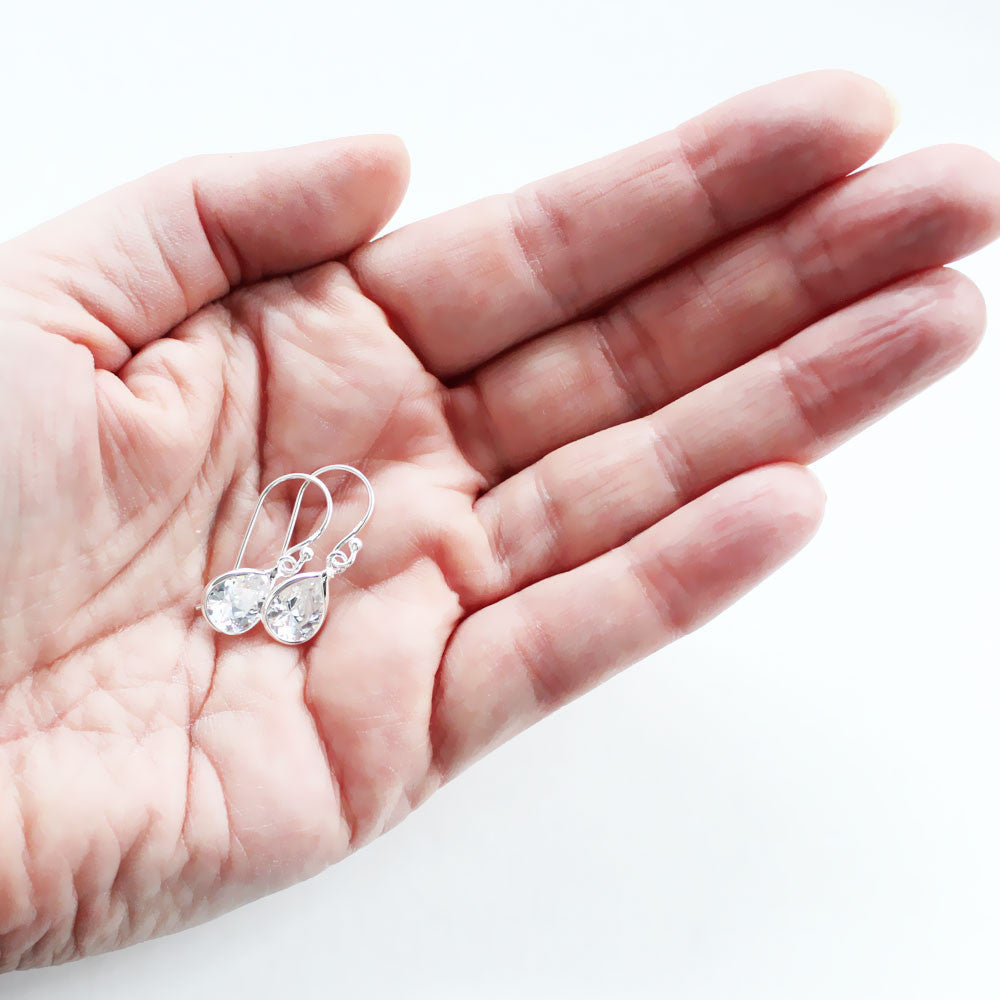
(584, 409)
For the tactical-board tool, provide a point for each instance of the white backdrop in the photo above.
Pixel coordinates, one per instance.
(800, 801)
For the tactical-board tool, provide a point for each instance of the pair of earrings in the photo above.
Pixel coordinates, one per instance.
(291, 604)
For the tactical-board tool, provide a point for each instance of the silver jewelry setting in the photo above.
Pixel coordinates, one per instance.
(292, 604)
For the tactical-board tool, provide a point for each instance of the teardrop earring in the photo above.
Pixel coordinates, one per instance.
(295, 609)
(232, 602)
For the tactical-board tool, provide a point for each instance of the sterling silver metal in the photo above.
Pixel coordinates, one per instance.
(295, 609)
(233, 601)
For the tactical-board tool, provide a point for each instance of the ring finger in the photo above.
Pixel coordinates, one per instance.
(792, 403)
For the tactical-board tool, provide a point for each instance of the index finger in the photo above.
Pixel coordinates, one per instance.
(469, 283)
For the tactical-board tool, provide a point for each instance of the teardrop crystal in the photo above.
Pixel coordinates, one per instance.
(234, 600)
(296, 609)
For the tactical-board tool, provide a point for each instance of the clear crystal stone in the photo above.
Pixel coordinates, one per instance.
(297, 608)
(234, 600)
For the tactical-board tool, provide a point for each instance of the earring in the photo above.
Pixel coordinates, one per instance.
(295, 609)
(232, 602)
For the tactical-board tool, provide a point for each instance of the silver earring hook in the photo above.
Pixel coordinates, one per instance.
(353, 543)
(295, 609)
(304, 548)
(232, 602)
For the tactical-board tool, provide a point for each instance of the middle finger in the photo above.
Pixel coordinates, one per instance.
(726, 306)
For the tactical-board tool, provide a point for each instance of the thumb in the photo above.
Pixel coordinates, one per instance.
(130, 265)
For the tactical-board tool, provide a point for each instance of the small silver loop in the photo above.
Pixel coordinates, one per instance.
(337, 561)
(349, 538)
(289, 565)
(305, 545)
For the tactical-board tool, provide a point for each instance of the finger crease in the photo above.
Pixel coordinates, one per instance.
(665, 593)
(790, 376)
(822, 257)
(551, 518)
(673, 462)
(500, 465)
(232, 263)
(526, 203)
(636, 400)
(647, 346)
(533, 646)
(684, 154)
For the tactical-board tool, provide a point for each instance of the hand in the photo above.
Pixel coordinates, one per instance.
(584, 407)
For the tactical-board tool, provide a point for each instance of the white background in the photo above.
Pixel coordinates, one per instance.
(802, 800)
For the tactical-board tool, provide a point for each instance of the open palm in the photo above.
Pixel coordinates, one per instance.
(584, 408)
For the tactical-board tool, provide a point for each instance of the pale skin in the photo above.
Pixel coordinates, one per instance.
(586, 410)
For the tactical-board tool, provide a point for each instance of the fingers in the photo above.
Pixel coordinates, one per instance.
(467, 284)
(515, 661)
(722, 308)
(792, 403)
(130, 265)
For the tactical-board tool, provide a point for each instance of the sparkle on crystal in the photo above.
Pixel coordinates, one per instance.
(297, 608)
(234, 600)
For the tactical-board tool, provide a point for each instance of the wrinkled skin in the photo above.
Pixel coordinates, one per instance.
(585, 409)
